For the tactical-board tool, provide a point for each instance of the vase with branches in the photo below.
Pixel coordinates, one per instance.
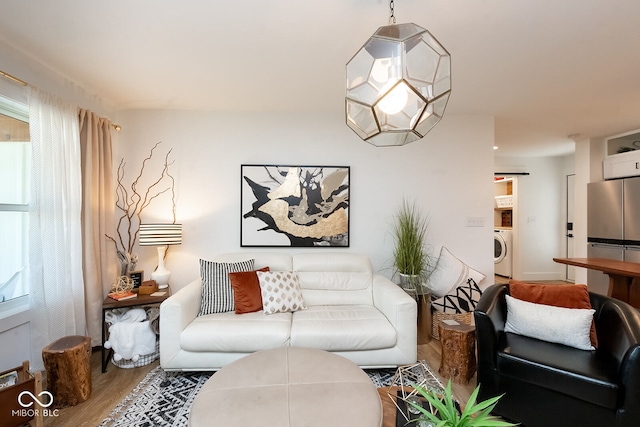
(132, 200)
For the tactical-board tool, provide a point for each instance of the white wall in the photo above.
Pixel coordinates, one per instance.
(449, 173)
(540, 229)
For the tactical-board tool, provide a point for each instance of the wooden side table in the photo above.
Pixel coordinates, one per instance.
(458, 357)
(110, 304)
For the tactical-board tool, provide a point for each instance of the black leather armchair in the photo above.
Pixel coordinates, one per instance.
(547, 384)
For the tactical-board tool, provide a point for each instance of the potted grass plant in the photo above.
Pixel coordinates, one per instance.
(412, 258)
(442, 411)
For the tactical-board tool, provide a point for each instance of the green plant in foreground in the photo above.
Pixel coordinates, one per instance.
(474, 414)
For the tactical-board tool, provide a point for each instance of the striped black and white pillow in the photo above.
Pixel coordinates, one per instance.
(217, 293)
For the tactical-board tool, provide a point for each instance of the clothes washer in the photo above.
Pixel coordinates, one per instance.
(503, 252)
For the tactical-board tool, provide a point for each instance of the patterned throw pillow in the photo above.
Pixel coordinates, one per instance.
(280, 292)
(462, 299)
(217, 294)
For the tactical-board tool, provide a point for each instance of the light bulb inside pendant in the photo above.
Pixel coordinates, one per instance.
(395, 99)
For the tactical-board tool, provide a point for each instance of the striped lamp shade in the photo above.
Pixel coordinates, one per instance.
(160, 234)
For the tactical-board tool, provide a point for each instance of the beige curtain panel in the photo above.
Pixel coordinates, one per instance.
(98, 198)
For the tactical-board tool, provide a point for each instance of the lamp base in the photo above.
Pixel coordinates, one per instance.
(161, 278)
(161, 275)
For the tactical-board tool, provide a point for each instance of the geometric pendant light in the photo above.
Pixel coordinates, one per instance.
(398, 85)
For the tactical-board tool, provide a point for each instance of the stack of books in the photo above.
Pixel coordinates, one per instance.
(121, 296)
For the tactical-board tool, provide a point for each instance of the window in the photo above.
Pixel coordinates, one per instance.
(15, 165)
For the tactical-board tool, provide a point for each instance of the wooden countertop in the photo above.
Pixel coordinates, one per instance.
(609, 266)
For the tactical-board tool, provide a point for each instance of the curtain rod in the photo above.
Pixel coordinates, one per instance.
(23, 83)
(15, 79)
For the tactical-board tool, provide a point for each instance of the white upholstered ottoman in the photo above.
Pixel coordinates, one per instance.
(288, 387)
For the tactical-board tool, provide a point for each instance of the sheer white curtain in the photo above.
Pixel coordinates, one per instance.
(55, 239)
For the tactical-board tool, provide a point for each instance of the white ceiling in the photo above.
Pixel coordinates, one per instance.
(546, 69)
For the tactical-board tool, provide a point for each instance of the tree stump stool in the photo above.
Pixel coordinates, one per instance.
(458, 358)
(67, 362)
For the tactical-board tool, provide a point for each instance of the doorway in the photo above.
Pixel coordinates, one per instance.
(570, 273)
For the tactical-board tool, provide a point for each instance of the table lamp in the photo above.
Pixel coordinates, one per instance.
(160, 235)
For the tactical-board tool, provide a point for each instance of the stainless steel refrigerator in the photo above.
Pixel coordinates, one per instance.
(613, 225)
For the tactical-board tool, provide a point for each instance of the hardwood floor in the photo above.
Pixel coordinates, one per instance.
(111, 387)
(107, 391)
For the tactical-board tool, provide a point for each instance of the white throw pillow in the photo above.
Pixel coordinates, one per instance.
(450, 273)
(568, 326)
(280, 292)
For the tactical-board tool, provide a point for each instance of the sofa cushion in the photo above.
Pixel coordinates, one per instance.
(342, 328)
(230, 332)
(247, 296)
(585, 375)
(217, 294)
(569, 296)
(568, 326)
(450, 273)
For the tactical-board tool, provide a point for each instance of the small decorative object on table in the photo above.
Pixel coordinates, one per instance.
(137, 278)
(148, 287)
(444, 411)
(122, 285)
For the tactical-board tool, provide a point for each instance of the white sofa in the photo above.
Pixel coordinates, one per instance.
(351, 311)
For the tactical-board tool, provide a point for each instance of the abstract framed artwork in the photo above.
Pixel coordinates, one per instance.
(294, 206)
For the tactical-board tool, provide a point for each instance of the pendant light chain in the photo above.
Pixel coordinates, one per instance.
(392, 17)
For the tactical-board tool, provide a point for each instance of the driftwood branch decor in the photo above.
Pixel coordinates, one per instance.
(132, 200)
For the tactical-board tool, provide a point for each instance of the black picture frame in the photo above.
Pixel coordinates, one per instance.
(294, 206)
(137, 277)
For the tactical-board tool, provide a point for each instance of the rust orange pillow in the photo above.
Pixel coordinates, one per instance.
(567, 296)
(247, 296)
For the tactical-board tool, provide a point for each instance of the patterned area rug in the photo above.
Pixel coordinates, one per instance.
(165, 400)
